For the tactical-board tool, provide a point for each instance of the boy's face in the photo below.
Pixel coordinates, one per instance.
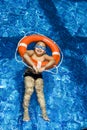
(40, 48)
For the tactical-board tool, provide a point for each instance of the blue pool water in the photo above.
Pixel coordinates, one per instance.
(66, 92)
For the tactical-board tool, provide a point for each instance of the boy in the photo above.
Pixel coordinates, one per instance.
(33, 77)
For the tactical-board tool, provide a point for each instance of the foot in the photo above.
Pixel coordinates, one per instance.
(26, 118)
(45, 117)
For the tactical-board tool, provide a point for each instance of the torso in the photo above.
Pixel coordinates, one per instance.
(35, 57)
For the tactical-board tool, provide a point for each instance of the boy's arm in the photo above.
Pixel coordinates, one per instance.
(27, 59)
(50, 60)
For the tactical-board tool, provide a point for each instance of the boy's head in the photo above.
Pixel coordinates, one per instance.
(40, 48)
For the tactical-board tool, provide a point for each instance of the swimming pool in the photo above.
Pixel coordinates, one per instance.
(65, 92)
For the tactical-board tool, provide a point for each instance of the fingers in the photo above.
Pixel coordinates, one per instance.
(35, 68)
(38, 70)
(41, 69)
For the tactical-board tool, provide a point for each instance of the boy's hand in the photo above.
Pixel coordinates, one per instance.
(35, 68)
(41, 69)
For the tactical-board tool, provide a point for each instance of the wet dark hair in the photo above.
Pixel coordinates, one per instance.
(41, 41)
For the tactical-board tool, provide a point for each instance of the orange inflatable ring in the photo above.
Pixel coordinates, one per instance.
(25, 41)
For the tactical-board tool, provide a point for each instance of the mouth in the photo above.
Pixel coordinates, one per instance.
(39, 51)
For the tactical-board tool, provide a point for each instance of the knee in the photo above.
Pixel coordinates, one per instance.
(29, 91)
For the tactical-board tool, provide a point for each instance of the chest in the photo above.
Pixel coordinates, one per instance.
(41, 58)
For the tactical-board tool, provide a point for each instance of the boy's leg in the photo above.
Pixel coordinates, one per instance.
(40, 95)
(29, 88)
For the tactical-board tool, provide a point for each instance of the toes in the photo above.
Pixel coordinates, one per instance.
(46, 118)
(26, 118)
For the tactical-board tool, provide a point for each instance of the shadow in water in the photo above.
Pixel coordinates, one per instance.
(78, 0)
(68, 41)
(8, 47)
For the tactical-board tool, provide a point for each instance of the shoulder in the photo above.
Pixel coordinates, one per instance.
(45, 55)
(48, 57)
(30, 52)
